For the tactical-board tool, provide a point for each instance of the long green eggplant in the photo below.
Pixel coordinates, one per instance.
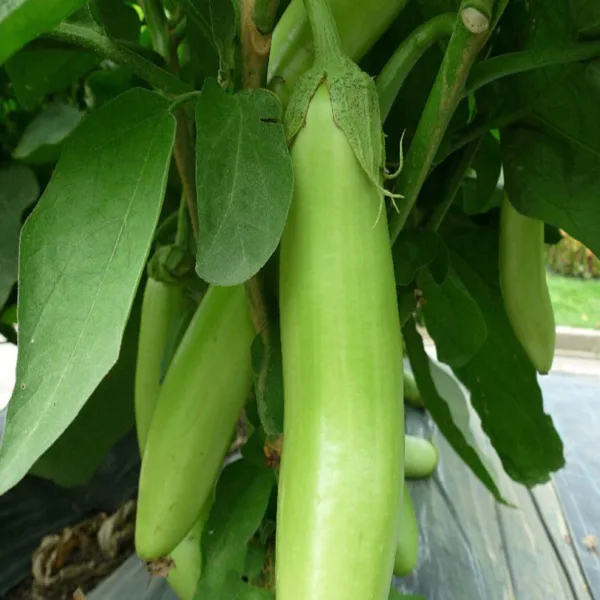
(198, 405)
(412, 395)
(523, 283)
(187, 557)
(342, 464)
(420, 457)
(162, 306)
(407, 551)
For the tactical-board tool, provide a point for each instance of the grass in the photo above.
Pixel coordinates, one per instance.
(576, 301)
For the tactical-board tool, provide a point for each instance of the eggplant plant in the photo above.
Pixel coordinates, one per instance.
(227, 225)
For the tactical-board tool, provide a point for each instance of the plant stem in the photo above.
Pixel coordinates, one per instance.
(326, 39)
(527, 60)
(184, 149)
(183, 98)
(445, 96)
(394, 73)
(181, 236)
(462, 164)
(258, 20)
(157, 26)
(92, 40)
(256, 40)
(185, 158)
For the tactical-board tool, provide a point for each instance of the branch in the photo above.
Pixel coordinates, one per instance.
(447, 92)
(258, 20)
(185, 158)
(184, 149)
(396, 70)
(85, 37)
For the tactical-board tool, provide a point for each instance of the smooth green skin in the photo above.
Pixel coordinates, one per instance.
(341, 475)
(421, 457)
(524, 288)
(187, 557)
(412, 395)
(161, 305)
(197, 409)
(360, 24)
(407, 550)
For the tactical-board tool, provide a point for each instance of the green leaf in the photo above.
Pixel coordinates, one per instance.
(413, 250)
(36, 72)
(82, 254)
(587, 16)
(106, 417)
(43, 137)
(244, 182)
(446, 402)
(216, 19)
(254, 559)
(118, 19)
(503, 384)
(551, 157)
(23, 20)
(243, 492)
(18, 190)
(203, 59)
(453, 318)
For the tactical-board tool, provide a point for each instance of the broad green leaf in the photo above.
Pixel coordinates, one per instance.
(587, 16)
(553, 173)
(43, 137)
(244, 181)
(413, 250)
(203, 61)
(23, 20)
(243, 492)
(18, 190)
(452, 316)
(36, 72)
(82, 254)
(106, 417)
(503, 384)
(118, 19)
(254, 559)
(551, 157)
(446, 402)
(216, 19)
